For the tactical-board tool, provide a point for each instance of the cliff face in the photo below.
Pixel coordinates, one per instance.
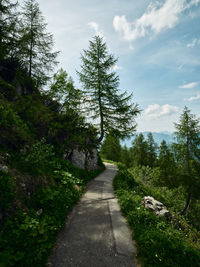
(85, 159)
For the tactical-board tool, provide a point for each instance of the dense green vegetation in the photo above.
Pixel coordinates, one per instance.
(159, 242)
(34, 215)
(38, 132)
(40, 128)
(174, 166)
(42, 122)
(170, 174)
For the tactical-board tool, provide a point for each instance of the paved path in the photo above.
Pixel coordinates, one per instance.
(96, 234)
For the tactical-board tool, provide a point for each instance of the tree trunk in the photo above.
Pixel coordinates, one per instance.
(101, 137)
(186, 204)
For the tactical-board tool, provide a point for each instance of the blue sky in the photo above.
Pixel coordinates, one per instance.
(157, 44)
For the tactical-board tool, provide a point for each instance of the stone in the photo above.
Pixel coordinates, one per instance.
(78, 158)
(39, 212)
(4, 168)
(92, 160)
(156, 206)
(84, 159)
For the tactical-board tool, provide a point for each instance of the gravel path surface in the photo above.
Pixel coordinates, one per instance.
(96, 234)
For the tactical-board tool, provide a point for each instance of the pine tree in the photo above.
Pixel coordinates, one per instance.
(8, 25)
(110, 110)
(188, 136)
(36, 44)
(63, 91)
(138, 151)
(125, 156)
(151, 150)
(167, 166)
(111, 148)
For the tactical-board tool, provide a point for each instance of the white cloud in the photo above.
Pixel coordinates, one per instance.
(156, 18)
(188, 85)
(116, 67)
(93, 25)
(193, 43)
(157, 111)
(192, 98)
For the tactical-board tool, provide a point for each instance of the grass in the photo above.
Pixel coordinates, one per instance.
(159, 242)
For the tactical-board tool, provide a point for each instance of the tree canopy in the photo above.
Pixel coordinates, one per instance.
(110, 110)
(36, 44)
(188, 149)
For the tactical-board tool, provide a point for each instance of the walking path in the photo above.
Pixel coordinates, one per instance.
(96, 234)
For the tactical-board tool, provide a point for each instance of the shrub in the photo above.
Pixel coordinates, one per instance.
(37, 158)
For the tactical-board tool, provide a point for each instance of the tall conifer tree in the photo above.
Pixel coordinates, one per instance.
(111, 110)
(8, 25)
(188, 136)
(36, 47)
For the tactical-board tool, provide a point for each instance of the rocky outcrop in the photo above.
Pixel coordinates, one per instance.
(78, 158)
(156, 206)
(84, 159)
(92, 160)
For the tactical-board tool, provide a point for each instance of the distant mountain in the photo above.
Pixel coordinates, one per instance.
(158, 138)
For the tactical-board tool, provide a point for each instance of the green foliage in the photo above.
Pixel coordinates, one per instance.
(29, 234)
(113, 110)
(151, 150)
(63, 91)
(8, 19)
(138, 151)
(35, 44)
(168, 170)
(126, 157)
(159, 242)
(7, 194)
(38, 157)
(111, 148)
(188, 153)
(14, 131)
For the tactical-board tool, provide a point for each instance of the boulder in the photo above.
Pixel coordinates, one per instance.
(78, 158)
(83, 159)
(92, 160)
(4, 168)
(156, 206)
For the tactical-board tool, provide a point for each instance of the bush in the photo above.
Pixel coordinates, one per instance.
(14, 132)
(37, 158)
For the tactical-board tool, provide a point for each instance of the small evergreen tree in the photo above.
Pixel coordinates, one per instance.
(63, 91)
(188, 136)
(36, 44)
(167, 166)
(111, 148)
(125, 156)
(111, 111)
(138, 151)
(8, 25)
(151, 150)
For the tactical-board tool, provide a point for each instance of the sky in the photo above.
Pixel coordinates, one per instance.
(157, 44)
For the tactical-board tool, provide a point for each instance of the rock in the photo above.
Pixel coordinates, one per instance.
(39, 212)
(4, 168)
(156, 206)
(84, 160)
(78, 158)
(92, 160)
